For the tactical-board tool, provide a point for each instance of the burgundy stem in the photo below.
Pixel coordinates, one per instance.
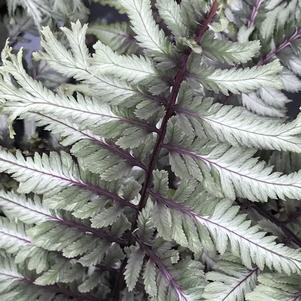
(181, 207)
(297, 297)
(156, 260)
(254, 13)
(170, 110)
(284, 44)
(250, 274)
(100, 233)
(24, 240)
(291, 236)
(131, 160)
(79, 183)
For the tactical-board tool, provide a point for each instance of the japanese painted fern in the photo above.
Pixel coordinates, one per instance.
(161, 130)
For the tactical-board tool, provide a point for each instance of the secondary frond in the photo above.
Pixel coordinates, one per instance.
(184, 212)
(238, 171)
(118, 36)
(241, 80)
(112, 90)
(79, 61)
(229, 52)
(51, 174)
(131, 68)
(18, 284)
(88, 147)
(148, 33)
(227, 123)
(13, 236)
(64, 234)
(230, 281)
(165, 278)
(170, 11)
(276, 288)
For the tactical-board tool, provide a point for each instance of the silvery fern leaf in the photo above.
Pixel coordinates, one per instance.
(170, 11)
(132, 68)
(225, 225)
(16, 242)
(80, 67)
(290, 81)
(275, 288)
(164, 276)
(267, 102)
(133, 267)
(147, 31)
(227, 124)
(18, 284)
(34, 95)
(28, 211)
(87, 112)
(13, 236)
(230, 52)
(35, 212)
(105, 60)
(240, 174)
(254, 103)
(40, 10)
(77, 59)
(88, 147)
(118, 36)
(238, 81)
(230, 281)
(139, 205)
(35, 8)
(51, 174)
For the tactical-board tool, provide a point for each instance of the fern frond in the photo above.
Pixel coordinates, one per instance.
(35, 212)
(170, 12)
(229, 52)
(16, 241)
(133, 267)
(118, 36)
(147, 31)
(290, 81)
(88, 147)
(13, 236)
(126, 67)
(132, 68)
(112, 90)
(230, 281)
(225, 226)
(239, 172)
(50, 174)
(276, 288)
(238, 81)
(34, 8)
(140, 204)
(17, 206)
(164, 275)
(227, 124)
(18, 285)
(268, 101)
(168, 281)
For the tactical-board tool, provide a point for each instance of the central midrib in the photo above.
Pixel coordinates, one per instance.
(95, 189)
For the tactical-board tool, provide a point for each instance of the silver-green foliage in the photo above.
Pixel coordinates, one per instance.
(161, 132)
